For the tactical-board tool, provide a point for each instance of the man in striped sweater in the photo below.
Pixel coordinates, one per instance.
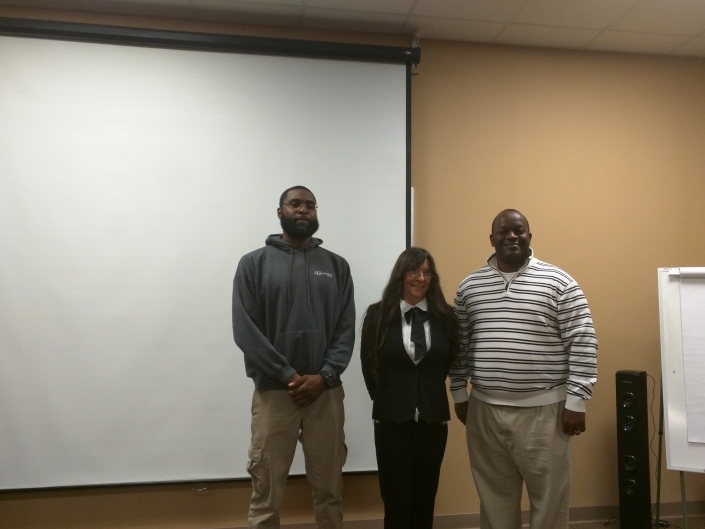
(529, 348)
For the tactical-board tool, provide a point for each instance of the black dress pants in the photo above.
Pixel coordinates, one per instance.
(409, 457)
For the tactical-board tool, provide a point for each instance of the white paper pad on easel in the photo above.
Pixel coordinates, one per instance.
(693, 329)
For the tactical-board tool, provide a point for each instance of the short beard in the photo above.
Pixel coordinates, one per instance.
(292, 229)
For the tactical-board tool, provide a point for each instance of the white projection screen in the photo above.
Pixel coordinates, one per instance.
(132, 180)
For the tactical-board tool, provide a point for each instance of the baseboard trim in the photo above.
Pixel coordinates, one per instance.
(471, 521)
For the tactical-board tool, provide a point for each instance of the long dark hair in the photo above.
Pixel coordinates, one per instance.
(379, 315)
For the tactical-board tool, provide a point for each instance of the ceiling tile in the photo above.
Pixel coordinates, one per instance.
(340, 20)
(153, 8)
(695, 47)
(596, 14)
(623, 41)
(261, 14)
(677, 17)
(447, 29)
(487, 10)
(547, 36)
(370, 6)
(73, 5)
(148, 8)
(641, 26)
(263, 6)
(252, 3)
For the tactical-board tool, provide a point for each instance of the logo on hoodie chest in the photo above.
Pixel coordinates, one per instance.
(319, 273)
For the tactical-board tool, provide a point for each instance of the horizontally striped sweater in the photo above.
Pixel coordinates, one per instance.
(526, 342)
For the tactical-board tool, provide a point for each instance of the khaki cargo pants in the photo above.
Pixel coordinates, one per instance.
(277, 425)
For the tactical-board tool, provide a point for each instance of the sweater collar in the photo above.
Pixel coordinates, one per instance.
(492, 261)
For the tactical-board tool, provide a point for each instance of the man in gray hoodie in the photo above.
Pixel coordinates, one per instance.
(294, 320)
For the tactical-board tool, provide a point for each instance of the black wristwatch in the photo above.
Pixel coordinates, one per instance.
(327, 378)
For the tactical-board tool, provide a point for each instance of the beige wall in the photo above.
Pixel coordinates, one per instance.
(604, 153)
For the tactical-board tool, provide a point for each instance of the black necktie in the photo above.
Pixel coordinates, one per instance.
(417, 317)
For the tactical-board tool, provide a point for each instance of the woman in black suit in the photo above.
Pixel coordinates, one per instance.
(409, 340)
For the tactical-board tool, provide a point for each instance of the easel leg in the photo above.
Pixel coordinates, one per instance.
(685, 511)
(658, 458)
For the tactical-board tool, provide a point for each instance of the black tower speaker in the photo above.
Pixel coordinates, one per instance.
(633, 451)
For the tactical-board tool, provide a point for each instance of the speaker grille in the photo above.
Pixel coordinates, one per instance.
(629, 463)
(630, 487)
(627, 400)
(633, 450)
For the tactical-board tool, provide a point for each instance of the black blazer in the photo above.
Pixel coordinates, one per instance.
(401, 386)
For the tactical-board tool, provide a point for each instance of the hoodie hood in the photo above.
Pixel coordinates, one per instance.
(276, 241)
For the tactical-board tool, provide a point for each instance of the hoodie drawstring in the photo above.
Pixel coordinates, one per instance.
(288, 280)
(308, 290)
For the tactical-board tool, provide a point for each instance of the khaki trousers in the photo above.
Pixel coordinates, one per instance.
(509, 445)
(277, 424)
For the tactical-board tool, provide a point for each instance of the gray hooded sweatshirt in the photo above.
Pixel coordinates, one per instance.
(293, 312)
